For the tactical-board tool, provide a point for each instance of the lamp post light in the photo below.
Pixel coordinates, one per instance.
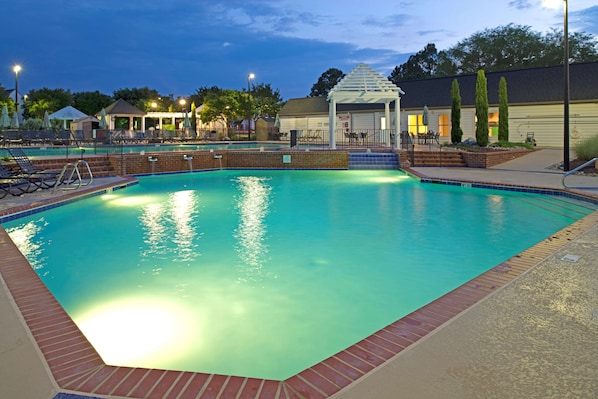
(566, 100)
(566, 78)
(16, 69)
(249, 77)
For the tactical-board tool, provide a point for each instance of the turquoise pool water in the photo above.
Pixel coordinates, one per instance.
(135, 148)
(265, 273)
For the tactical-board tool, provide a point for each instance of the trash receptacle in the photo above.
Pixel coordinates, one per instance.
(294, 134)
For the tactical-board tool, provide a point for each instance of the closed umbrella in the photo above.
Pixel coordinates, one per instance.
(103, 121)
(277, 122)
(46, 123)
(4, 119)
(187, 122)
(426, 116)
(14, 122)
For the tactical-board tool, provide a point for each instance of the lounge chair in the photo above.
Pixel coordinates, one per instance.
(13, 184)
(41, 178)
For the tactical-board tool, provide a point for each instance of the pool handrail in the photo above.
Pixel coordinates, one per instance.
(575, 170)
(74, 168)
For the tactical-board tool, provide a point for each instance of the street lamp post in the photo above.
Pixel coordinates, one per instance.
(566, 78)
(17, 69)
(249, 77)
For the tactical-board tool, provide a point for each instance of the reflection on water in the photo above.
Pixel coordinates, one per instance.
(29, 242)
(253, 207)
(170, 222)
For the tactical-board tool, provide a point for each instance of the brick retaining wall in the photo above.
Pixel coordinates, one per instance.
(488, 159)
(131, 164)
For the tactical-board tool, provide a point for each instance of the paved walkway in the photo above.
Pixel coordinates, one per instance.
(535, 338)
(532, 170)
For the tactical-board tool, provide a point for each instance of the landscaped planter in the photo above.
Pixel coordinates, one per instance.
(491, 158)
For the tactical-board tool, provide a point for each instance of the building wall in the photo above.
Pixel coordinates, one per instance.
(545, 122)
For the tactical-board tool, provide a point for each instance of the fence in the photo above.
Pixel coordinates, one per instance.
(362, 138)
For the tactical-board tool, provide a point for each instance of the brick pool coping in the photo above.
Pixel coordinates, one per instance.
(78, 369)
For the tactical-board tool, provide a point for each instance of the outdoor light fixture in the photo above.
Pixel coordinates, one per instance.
(554, 3)
(17, 69)
(249, 77)
(566, 108)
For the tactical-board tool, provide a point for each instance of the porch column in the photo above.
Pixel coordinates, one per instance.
(143, 123)
(387, 114)
(397, 123)
(332, 123)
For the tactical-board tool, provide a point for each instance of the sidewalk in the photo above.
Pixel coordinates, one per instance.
(532, 170)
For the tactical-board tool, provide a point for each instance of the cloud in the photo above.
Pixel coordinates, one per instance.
(521, 4)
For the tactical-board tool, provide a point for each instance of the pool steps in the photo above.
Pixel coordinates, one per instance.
(373, 161)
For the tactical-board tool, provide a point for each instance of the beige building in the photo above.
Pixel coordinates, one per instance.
(535, 107)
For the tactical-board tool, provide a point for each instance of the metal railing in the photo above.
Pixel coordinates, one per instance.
(569, 173)
(358, 138)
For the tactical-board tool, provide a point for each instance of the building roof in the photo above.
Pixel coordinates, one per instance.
(319, 105)
(67, 113)
(541, 85)
(364, 85)
(121, 107)
(524, 86)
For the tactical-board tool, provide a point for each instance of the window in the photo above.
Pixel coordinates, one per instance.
(415, 124)
(444, 127)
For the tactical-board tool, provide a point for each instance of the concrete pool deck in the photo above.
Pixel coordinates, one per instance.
(535, 337)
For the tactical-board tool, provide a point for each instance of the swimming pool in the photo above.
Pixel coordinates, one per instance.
(136, 148)
(262, 243)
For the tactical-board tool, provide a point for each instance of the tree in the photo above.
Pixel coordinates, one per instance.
(5, 100)
(226, 106)
(200, 94)
(193, 117)
(139, 97)
(499, 49)
(481, 109)
(91, 102)
(265, 101)
(503, 110)
(421, 65)
(456, 131)
(42, 100)
(326, 82)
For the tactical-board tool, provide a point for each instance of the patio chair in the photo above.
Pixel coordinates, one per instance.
(41, 178)
(13, 184)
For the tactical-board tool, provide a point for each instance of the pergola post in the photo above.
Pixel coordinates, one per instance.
(332, 123)
(397, 123)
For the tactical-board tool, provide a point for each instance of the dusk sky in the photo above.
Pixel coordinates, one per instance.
(177, 46)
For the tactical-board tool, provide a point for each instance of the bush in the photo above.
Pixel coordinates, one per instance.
(32, 124)
(586, 149)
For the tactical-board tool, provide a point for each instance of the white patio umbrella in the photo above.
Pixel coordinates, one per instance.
(14, 122)
(46, 123)
(103, 120)
(4, 119)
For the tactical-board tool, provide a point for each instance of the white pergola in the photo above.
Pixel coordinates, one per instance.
(363, 85)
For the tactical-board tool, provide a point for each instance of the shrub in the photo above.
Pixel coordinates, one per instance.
(587, 149)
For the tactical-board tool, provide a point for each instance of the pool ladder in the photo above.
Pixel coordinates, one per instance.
(575, 170)
(74, 179)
